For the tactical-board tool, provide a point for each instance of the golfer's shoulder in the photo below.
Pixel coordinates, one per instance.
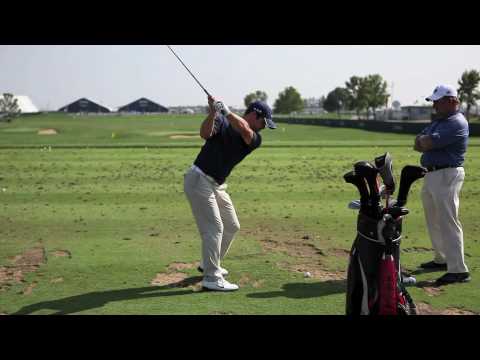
(457, 117)
(457, 121)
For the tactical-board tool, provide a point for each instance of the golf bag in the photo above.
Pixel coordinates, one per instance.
(374, 280)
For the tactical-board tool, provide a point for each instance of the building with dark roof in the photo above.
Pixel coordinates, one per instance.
(84, 105)
(143, 105)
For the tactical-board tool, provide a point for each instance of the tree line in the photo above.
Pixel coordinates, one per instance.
(360, 94)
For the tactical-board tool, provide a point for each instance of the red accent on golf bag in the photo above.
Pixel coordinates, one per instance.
(387, 286)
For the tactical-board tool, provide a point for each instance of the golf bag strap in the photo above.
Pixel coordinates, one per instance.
(377, 240)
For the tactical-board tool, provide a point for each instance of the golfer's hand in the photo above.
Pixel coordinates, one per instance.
(222, 108)
(211, 102)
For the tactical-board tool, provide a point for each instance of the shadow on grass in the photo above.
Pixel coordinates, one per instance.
(427, 283)
(96, 299)
(305, 290)
(426, 271)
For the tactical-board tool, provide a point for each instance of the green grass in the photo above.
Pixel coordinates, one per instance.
(123, 216)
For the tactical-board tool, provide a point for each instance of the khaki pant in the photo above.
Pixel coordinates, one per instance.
(440, 196)
(216, 219)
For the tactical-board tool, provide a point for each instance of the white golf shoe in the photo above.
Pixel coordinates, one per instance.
(219, 285)
(223, 272)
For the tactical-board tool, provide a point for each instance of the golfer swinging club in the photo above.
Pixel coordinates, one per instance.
(229, 139)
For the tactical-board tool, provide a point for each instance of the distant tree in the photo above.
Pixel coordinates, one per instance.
(257, 95)
(357, 98)
(336, 100)
(9, 108)
(288, 101)
(375, 89)
(467, 92)
(321, 101)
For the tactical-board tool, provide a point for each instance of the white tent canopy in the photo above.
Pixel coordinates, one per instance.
(25, 105)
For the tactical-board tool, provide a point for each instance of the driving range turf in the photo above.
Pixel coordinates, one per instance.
(94, 219)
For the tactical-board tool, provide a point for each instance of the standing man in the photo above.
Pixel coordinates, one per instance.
(443, 145)
(229, 139)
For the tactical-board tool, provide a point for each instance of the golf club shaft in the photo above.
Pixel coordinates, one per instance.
(198, 82)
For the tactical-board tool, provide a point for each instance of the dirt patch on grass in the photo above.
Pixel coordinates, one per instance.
(173, 278)
(339, 252)
(293, 248)
(309, 258)
(47, 132)
(179, 266)
(248, 279)
(56, 280)
(456, 311)
(61, 253)
(416, 249)
(316, 270)
(32, 257)
(168, 279)
(432, 290)
(177, 280)
(9, 274)
(426, 309)
(28, 290)
(257, 284)
(27, 262)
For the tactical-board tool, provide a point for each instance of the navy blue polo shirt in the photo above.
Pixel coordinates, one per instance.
(450, 140)
(225, 149)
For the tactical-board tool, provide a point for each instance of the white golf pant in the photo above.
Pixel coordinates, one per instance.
(215, 216)
(440, 196)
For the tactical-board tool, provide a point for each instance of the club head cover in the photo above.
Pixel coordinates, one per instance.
(385, 168)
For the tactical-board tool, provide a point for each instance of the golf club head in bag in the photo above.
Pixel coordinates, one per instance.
(355, 205)
(369, 172)
(385, 169)
(352, 178)
(408, 176)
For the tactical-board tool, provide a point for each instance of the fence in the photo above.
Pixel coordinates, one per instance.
(370, 125)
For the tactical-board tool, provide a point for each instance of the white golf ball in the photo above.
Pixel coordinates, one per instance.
(307, 274)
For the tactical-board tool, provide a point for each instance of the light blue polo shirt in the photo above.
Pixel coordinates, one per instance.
(450, 139)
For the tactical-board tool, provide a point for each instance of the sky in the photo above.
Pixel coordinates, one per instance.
(114, 75)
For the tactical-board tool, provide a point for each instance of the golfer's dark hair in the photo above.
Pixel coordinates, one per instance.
(252, 110)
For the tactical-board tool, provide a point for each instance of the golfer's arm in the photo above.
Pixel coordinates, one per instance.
(423, 143)
(206, 130)
(416, 146)
(240, 124)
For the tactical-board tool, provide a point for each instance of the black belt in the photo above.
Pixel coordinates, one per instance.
(433, 168)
